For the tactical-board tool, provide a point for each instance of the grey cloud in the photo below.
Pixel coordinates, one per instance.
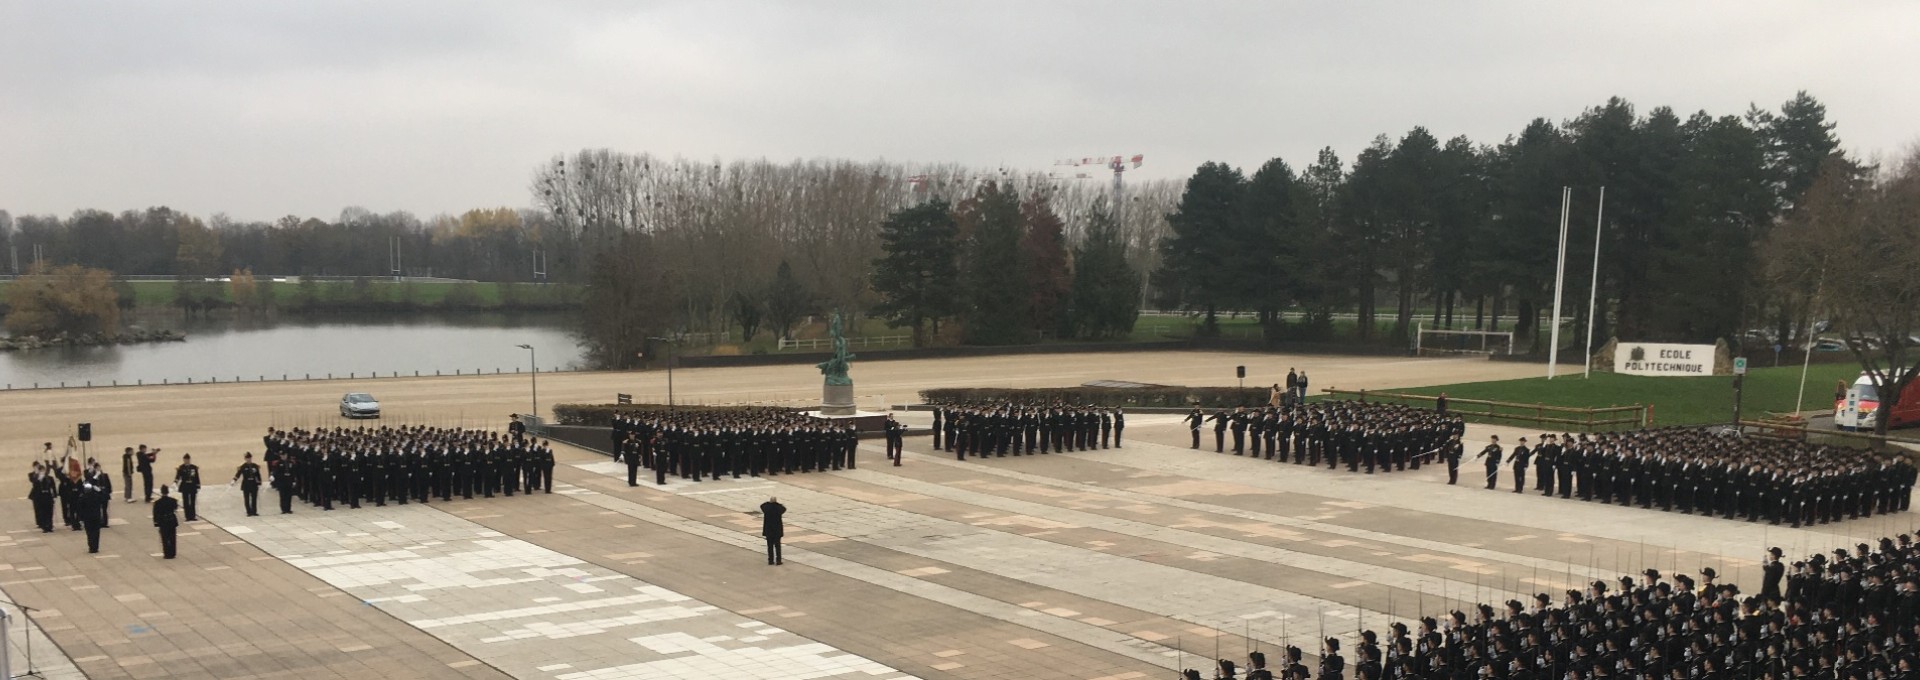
(264, 109)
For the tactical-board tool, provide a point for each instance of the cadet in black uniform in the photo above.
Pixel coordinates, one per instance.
(1492, 455)
(1194, 421)
(249, 478)
(168, 524)
(1521, 456)
(186, 478)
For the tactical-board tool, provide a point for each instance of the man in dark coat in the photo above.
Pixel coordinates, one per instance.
(93, 513)
(168, 524)
(772, 527)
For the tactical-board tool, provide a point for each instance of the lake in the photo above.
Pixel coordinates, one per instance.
(225, 347)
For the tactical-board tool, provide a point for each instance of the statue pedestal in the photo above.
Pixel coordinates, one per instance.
(837, 400)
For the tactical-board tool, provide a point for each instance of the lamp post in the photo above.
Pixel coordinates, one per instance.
(532, 359)
(670, 343)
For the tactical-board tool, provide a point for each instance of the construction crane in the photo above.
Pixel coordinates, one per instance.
(1119, 165)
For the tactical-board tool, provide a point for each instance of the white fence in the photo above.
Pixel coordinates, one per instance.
(862, 341)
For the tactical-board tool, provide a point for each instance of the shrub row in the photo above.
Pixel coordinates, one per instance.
(1178, 397)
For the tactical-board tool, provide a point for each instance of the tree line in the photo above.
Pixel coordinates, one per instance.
(1464, 235)
(493, 244)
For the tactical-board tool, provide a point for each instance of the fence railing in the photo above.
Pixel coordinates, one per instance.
(1798, 431)
(1506, 412)
(284, 377)
(862, 341)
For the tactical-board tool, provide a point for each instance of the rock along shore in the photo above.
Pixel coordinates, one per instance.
(27, 342)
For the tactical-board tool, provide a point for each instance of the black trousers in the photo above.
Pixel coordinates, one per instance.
(189, 501)
(773, 550)
(1493, 476)
(146, 482)
(286, 501)
(169, 541)
(1196, 437)
(93, 536)
(633, 472)
(43, 513)
(250, 494)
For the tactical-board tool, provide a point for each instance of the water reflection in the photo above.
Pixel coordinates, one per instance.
(294, 346)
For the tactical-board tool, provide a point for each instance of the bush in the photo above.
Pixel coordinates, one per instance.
(1175, 397)
(70, 299)
(601, 415)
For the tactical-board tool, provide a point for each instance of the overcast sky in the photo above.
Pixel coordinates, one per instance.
(263, 109)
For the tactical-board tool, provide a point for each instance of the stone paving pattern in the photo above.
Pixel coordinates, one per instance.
(1111, 564)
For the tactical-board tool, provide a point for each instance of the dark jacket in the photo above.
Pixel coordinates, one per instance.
(770, 524)
(163, 512)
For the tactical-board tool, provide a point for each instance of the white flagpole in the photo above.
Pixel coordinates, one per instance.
(1593, 292)
(1559, 282)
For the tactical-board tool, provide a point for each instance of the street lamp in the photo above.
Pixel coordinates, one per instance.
(670, 343)
(531, 359)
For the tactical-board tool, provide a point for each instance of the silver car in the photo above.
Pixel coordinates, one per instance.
(359, 405)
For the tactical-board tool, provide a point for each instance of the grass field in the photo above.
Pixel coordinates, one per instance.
(1676, 401)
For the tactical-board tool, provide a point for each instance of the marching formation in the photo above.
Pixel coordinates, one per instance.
(1361, 435)
(348, 466)
(997, 429)
(692, 444)
(1695, 471)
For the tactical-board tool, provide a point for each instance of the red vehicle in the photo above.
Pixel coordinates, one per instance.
(1856, 410)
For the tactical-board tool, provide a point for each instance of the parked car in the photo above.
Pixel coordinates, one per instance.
(359, 405)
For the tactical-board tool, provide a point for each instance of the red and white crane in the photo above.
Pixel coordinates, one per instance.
(1118, 164)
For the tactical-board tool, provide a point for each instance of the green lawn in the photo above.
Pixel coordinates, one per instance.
(1675, 401)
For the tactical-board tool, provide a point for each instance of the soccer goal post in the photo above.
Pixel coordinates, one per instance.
(1455, 341)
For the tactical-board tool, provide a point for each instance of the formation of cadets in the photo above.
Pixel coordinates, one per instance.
(1855, 616)
(696, 444)
(999, 429)
(1696, 471)
(1367, 436)
(348, 466)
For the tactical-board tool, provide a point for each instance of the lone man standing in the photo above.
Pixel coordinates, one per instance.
(127, 464)
(772, 527)
(249, 478)
(169, 525)
(186, 478)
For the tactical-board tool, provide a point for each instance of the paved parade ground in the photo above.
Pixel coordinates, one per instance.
(1110, 564)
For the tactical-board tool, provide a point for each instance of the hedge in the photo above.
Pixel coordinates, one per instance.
(601, 415)
(1179, 397)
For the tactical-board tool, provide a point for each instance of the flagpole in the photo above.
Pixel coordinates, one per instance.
(1593, 291)
(1559, 283)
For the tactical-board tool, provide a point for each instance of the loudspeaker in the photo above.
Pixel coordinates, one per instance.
(1240, 371)
(86, 432)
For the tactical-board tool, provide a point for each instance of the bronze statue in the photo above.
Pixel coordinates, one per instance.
(835, 369)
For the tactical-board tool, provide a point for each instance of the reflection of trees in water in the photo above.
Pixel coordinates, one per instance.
(230, 346)
(237, 322)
